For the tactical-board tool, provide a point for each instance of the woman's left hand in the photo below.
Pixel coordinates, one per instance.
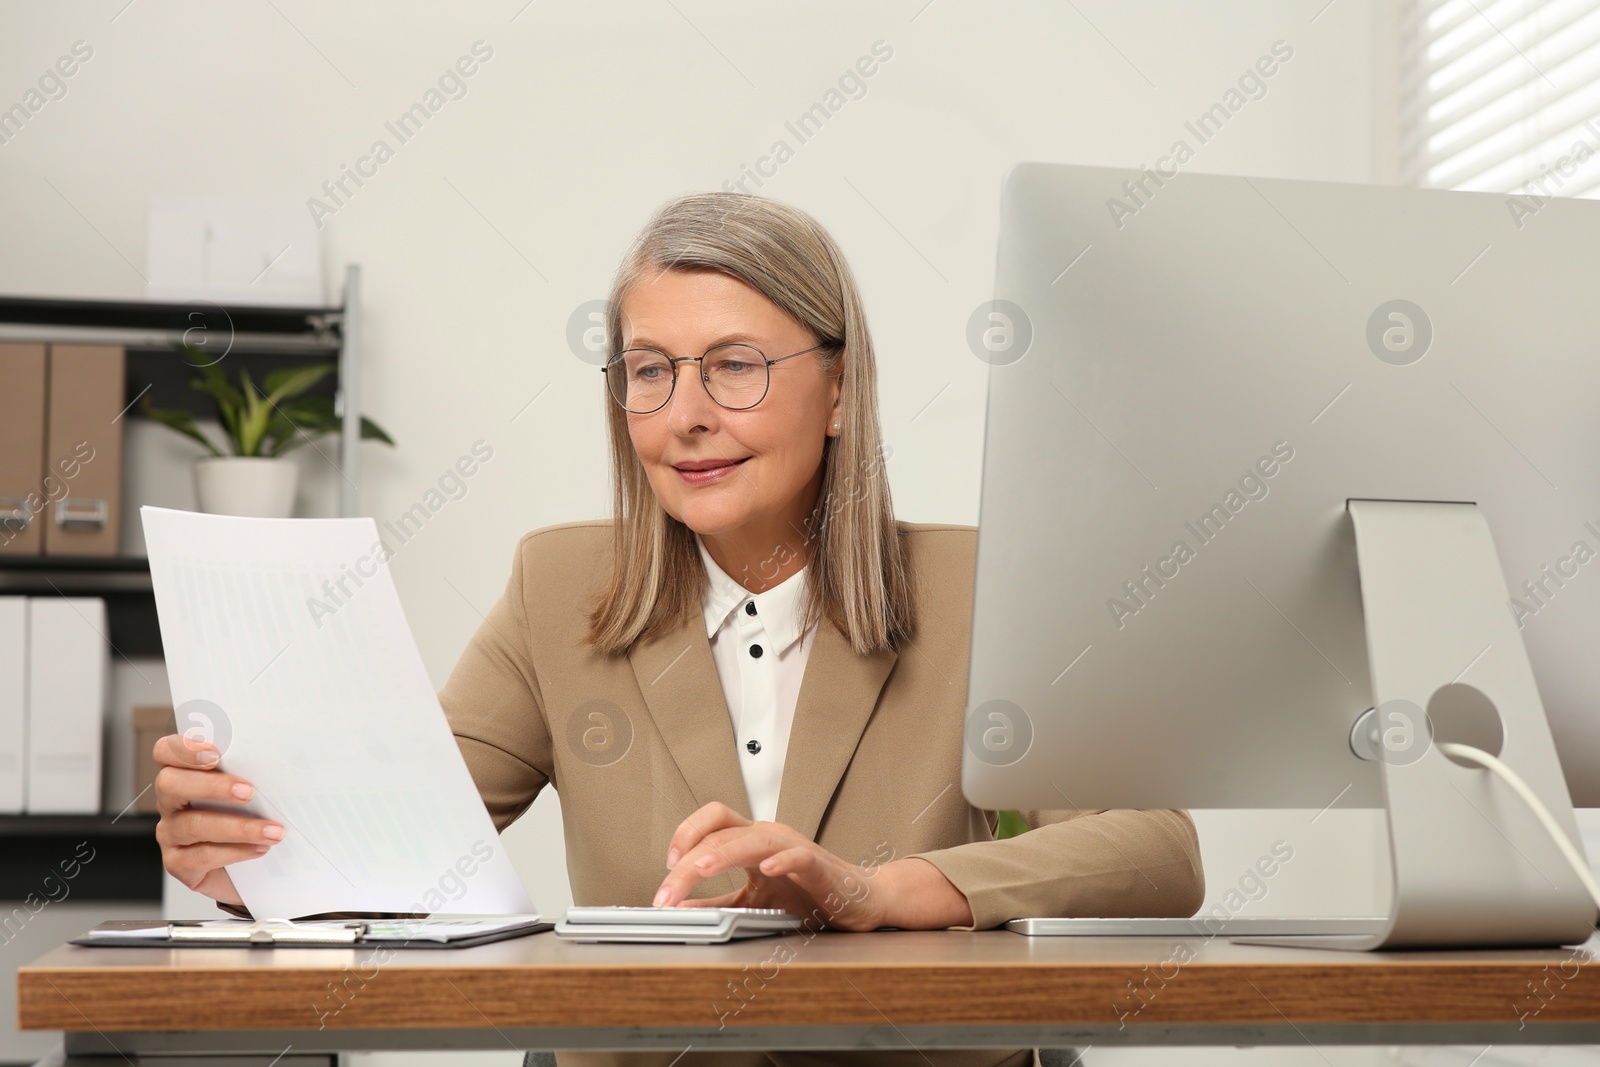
(783, 869)
(788, 871)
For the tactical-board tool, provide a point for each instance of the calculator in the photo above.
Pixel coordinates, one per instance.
(686, 926)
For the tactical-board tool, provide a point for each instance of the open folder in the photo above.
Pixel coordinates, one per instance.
(287, 648)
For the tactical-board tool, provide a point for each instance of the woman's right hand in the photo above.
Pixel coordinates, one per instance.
(197, 844)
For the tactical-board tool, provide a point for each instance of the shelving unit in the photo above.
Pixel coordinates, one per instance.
(122, 581)
(124, 861)
(256, 338)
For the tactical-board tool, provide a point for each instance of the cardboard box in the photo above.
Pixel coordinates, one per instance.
(83, 450)
(23, 372)
(151, 722)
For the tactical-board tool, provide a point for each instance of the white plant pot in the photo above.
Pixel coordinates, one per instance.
(258, 486)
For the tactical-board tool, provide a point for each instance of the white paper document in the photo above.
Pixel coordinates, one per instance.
(287, 646)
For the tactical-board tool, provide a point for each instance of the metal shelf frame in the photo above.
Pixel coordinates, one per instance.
(149, 331)
(261, 335)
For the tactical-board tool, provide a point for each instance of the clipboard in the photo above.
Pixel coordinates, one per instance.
(456, 931)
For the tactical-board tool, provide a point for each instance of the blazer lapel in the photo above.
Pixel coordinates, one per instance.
(679, 681)
(837, 694)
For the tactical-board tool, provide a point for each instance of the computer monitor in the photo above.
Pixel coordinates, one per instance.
(1261, 455)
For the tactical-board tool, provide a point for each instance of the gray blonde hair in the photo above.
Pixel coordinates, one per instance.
(857, 576)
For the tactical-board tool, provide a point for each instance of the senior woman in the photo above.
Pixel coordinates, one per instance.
(748, 686)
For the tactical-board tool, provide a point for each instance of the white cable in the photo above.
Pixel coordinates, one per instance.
(1510, 777)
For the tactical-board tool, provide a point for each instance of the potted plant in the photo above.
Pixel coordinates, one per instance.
(254, 477)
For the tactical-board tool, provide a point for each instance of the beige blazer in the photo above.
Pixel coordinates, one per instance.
(873, 773)
(635, 744)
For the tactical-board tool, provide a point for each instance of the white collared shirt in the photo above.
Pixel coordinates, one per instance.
(760, 656)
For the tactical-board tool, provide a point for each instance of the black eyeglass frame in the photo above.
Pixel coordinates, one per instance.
(673, 361)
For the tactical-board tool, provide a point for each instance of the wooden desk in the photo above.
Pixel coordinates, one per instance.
(927, 989)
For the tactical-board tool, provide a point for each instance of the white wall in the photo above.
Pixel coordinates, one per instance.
(510, 209)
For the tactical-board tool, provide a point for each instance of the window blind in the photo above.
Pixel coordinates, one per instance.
(1501, 95)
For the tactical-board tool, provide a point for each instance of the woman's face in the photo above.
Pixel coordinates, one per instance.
(775, 447)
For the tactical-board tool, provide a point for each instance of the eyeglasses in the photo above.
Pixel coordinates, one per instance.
(736, 375)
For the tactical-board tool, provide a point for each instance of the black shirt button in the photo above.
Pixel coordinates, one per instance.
(755, 650)
(753, 747)
(750, 607)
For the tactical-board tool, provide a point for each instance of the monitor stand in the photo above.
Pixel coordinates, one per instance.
(1472, 865)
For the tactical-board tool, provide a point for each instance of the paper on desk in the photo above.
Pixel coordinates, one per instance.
(293, 630)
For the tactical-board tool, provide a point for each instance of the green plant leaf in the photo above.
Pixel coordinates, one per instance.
(319, 424)
(257, 414)
(276, 378)
(287, 443)
(229, 400)
(279, 430)
(270, 423)
(1012, 824)
(314, 408)
(181, 421)
(198, 357)
(297, 421)
(310, 411)
(371, 431)
(290, 382)
(213, 381)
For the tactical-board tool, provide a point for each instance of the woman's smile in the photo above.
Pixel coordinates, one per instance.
(706, 471)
